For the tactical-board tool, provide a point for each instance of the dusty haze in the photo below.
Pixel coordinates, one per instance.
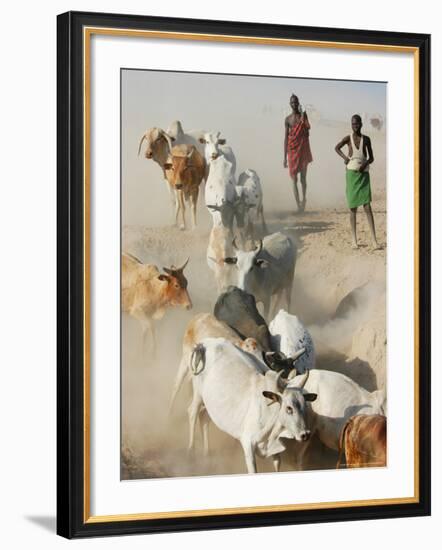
(249, 112)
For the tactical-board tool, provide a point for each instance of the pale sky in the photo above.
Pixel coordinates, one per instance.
(249, 111)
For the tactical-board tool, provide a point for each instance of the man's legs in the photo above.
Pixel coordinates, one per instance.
(304, 187)
(353, 227)
(369, 214)
(295, 191)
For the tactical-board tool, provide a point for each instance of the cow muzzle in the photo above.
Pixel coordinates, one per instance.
(305, 436)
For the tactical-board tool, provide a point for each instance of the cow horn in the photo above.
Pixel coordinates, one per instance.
(190, 153)
(167, 138)
(292, 374)
(280, 384)
(141, 142)
(297, 355)
(234, 244)
(303, 379)
(132, 257)
(183, 266)
(259, 247)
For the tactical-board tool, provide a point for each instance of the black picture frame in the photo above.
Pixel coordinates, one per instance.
(72, 520)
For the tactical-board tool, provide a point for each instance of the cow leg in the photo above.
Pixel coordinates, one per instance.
(276, 462)
(183, 209)
(149, 334)
(193, 411)
(181, 374)
(194, 201)
(204, 422)
(249, 455)
(177, 207)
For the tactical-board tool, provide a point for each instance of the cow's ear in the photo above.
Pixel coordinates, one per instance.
(164, 278)
(310, 396)
(262, 263)
(274, 397)
(230, 260)
(168, 166)
(221, 142)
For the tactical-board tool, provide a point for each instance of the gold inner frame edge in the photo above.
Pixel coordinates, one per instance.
(87, 33)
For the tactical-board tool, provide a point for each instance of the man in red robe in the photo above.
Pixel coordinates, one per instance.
(297, 149)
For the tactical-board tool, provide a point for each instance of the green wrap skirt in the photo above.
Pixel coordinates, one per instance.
(358, 188)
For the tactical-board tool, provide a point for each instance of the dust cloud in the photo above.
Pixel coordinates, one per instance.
(154, 439)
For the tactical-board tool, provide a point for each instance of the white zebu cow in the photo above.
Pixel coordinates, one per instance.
(226, 384)
(219, 198)
(250, 205)
(267, 271)
(178, 136)
(214, 147)
(340, 399)
(289, 335)
(205, 325)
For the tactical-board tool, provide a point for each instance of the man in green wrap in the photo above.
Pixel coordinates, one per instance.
(358, 190)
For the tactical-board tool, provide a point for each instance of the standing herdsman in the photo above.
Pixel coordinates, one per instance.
(297, 149)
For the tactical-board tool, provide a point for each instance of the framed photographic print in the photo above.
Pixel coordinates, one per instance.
(243, 274)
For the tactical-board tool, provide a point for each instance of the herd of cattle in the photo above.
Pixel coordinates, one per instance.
(254, 376)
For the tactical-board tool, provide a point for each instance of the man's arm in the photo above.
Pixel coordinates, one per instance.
(370, 156)
(286, 138)
(340, 145)
(306, 121)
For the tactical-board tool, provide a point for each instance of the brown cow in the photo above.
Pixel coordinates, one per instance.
(185, 170)
(364, 441)
(146, 293)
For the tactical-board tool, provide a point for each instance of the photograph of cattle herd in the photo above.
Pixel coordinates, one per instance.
(253, 274)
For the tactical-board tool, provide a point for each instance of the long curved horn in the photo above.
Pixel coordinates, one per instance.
(190, 153)
(259, 247)
(141, 142)
(183, 266)
(297, 355)
(303, 379)
(167, 138)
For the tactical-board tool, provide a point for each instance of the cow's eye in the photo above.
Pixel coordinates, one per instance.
(289, 410)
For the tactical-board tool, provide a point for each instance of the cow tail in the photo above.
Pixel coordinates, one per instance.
(198, 357)
(341, 444)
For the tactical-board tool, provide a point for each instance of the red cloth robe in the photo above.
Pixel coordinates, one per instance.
(299, 154)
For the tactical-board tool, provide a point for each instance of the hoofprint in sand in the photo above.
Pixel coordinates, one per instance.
(339, 293)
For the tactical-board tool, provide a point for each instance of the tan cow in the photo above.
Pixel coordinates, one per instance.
(185, 170)
(364, 441)
(146, 293)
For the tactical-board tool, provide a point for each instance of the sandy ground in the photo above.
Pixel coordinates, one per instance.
(350, 335)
